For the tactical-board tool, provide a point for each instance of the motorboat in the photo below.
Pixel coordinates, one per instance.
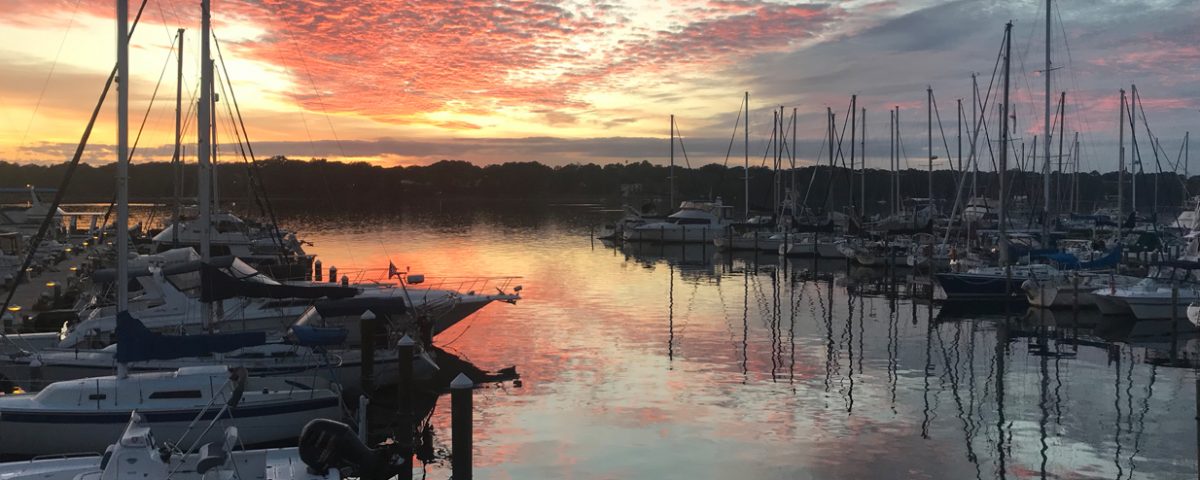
(694, 222)
(812, 244)
(1073, 289)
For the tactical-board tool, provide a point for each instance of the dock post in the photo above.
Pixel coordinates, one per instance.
(704, 242)
(332, 274)
(404, 358)
(362, 418)
(1075, 301)
(461, 427)
(318, 271)
(1174, 324)
(367, 334)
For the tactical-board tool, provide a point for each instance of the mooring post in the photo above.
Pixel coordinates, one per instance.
(460, 427)
(704, 242)
(333, 274)
(362, 418)
(366, 327)
(404, 397)
(318, 271)
(1075, 301)
(1174, 325)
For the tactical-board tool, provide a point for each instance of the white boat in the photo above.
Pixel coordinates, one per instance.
(138, 454)
(1061, 291)
(27, 218)
(809, 244)
(695, 222)
(171, 302)
(1149, 299)
(979, 209)
(84, 415)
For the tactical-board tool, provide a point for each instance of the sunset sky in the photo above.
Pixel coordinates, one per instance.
(588, 80)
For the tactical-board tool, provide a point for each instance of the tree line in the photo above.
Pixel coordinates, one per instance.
(331, 184)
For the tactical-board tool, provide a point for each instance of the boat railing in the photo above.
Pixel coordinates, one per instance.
(478, 284)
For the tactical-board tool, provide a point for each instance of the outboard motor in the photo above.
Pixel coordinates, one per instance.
(326, 444)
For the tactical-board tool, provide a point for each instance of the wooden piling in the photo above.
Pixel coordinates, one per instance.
(366, 327)
(1174, 323)
(461, 428)
(404, 361)
(318, 271)
(333, 278)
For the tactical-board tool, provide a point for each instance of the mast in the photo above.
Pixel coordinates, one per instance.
(862, 153)
(792, 197)
(176, 159)
(1121, 166)
(1004, 147)
(746, 130)
(853, 131)
(1135, 157)
(960, 115)
(1046, 140)
(214, 165)
(671, 171)
(892, 159)
(929, 111)
(896, 172)
(122, 226)
(974, 136)
(1062, 134)
(203, 130)
(1075, 176)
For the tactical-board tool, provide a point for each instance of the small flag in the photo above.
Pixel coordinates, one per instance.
(392, 272)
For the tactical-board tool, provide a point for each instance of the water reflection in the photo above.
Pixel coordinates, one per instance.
(670, 361)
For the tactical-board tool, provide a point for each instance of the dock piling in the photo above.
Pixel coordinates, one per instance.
(461, 427)
(404, 356)
(367, 333)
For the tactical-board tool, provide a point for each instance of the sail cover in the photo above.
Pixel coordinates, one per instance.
(137, 343)
(218, 283)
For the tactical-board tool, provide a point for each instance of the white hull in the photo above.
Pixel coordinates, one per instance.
(1110, 305)
(54, 433)
(677, 235)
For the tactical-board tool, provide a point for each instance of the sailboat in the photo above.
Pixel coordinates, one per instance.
(85, 414)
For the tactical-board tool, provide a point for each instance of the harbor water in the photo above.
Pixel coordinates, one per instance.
(672, 362)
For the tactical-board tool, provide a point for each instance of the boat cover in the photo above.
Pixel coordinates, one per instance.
(219, 284)
(137, 343)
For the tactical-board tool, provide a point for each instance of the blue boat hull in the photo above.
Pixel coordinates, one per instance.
(968, 286)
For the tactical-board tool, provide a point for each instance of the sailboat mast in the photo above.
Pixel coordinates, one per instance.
(929, 132)
(862, 153)
(671, 171)
(853, 131)
(746, 168)
(1062, 134)
(1136, 155)
(203, 130)
(176, 159)
(122, 225)
(1004, 261)
(1121, 164)
(1046, 140)
(896, 171)
(974, 135)
(892, 159)
(1075, 176)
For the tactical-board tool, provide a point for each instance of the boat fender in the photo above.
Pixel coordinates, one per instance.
(326, 444)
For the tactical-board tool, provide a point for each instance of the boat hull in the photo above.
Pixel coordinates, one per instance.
(967, 286)
(48, 432)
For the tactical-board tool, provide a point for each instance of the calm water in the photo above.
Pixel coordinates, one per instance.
(665, 363)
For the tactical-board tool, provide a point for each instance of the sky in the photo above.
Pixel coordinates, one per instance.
(596, 81)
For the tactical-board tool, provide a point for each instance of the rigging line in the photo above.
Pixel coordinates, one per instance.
(813, 169)
(679, 135)
(46, 83)
(733, 136)
(66, 180)
(766, 150)
(266, 199)
(153, 96)
(938, 114)
(319, 95)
